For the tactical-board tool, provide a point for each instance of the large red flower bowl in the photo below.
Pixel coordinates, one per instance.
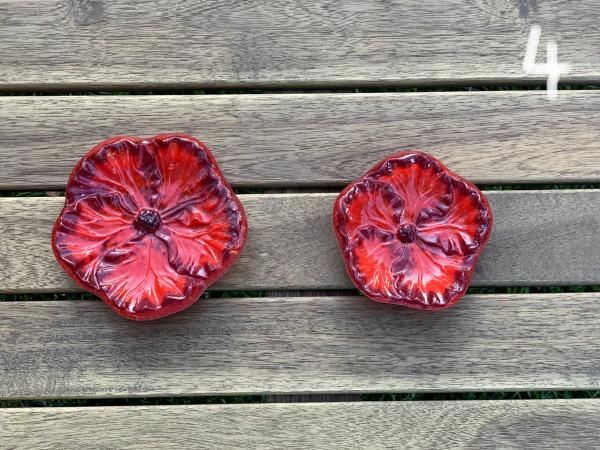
(411, 231)
(148, 224)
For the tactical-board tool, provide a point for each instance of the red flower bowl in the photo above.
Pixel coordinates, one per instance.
(148, 224)
(411, 231)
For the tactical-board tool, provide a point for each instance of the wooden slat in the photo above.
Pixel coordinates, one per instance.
(300, 345)
(316, 139)
(536, 424)
(141, 43)
(540, 238)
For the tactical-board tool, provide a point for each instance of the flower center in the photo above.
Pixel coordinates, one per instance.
(407, 233)
(147, 220)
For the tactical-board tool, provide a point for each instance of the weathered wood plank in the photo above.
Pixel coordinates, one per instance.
(533, 424)
(300, 345)
(316, 139)
(76, 44)
(540, 238)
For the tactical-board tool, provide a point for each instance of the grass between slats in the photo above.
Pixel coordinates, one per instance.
(274, 90)
(241, 190)
(14, 193)
(86, 296)
(217, 400)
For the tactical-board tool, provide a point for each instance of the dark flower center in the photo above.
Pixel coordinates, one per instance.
(407, 233)
(147, 220)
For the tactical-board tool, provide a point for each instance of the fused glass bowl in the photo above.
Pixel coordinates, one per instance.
(148, 224)
(410, 231)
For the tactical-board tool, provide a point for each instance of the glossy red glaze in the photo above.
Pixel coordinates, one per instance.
(148, 224)
(411, 231)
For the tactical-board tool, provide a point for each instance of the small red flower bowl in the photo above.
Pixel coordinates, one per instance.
(148, 224)
(411, 231)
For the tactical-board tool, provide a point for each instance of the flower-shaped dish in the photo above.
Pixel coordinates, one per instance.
(411, 231)
(148, 224)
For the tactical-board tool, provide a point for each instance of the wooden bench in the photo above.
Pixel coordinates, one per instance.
(331, 342)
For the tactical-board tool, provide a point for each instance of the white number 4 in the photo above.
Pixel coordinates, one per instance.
(551, 68)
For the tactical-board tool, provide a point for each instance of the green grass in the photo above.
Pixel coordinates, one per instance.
(484, 290)
(244, 190)
(222, 400)
(532, 289)
(28, 193)
(134, 401)
(524, 87)
(86, 296)
(248, 191)
(83, 296)
(13, 193)
(536, 187)
(536, 86)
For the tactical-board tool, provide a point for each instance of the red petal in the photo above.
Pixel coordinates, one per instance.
(87, 231)
(373, 204)
(424, 187)
(374, 258)
(448, 221)
(148, 224)
(433, 279)
(184, 170)
(459, 232)
(403, 271)
(203, 234)
(121, 167)
(141, 283)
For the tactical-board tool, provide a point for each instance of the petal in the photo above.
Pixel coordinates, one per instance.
(460, 231)
(204, 235)
(185, 169)
(428, 279)
(139, 282)
(421, 183)
(86, 231)
(371, 261)
(119, 168)
(369, 203)
(392, 272)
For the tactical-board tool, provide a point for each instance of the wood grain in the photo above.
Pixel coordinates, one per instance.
(536, 424)
(315, 139)
(540, 238)
(78, 349)
(108, 44)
